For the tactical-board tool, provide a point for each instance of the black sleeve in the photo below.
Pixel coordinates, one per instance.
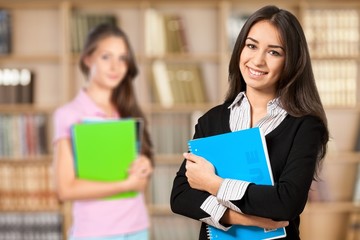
(287, 198)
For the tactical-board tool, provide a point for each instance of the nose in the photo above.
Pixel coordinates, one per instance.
(115, 64)
(258, 58)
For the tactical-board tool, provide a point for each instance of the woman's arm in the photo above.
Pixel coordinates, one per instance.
(286, 199)
(68, 187)
(199, 170)
(233, 217)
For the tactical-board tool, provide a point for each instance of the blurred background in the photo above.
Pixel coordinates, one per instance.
(183, 49)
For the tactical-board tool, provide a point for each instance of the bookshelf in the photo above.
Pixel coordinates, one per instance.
(29, 206)
(42, 33)
(333, 35)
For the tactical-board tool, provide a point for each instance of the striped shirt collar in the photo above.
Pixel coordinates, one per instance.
(242, 96)
(240, 115)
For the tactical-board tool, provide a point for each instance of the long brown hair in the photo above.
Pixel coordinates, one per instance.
(123, 96)
(296, 87)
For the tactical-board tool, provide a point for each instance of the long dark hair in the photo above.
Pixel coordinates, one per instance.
(296, 87)
(123, 96)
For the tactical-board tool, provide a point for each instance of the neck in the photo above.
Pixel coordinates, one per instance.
(258, 104)
(102, 99)
(259, 99)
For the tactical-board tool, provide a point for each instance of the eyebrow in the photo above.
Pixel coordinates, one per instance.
(272, 46)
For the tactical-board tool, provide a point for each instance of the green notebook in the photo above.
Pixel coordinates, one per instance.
(104, 150)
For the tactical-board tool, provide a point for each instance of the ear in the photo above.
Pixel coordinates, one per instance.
(87, 61)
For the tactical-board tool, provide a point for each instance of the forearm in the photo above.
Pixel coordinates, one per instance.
(231, 217)
(84, 189)
(69, 187)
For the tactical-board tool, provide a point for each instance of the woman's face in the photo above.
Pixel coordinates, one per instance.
(108, 63)
(262, 58)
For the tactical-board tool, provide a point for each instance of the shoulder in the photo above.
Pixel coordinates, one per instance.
(215, 120)
(66, 115)
(307, 125)
(307, 120)
(66, 112)
(217, 112)
(292, 125)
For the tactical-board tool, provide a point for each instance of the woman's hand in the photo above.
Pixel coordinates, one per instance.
(139, 173)
(142, 167)
(201, 174)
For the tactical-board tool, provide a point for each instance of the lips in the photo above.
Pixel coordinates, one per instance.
(256, 73)
(113, 77)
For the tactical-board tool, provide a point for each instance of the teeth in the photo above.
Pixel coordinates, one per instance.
(252, 71)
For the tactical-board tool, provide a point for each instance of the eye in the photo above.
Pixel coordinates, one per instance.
(274, 53)
(105, 56)
(251, 46)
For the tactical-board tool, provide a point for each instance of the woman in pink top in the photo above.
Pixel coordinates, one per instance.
(109, 65)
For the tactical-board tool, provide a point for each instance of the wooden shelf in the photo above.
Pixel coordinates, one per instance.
(42, 159)
(178, 108)
(342, 157)
(320, 207)
(29, 58)
(24, 108)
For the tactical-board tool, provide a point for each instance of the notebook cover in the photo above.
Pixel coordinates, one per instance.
(245, 152)
(104, 150)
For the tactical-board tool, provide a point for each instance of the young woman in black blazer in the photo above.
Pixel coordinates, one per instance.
(271, 86)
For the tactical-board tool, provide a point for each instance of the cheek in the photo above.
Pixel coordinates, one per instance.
(277, 67)
(242, 62)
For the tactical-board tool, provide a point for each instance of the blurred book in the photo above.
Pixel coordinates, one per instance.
(235, 22)
(81, 25)
(178, 83)
(16, 86)
(165, 33)
(5, 31)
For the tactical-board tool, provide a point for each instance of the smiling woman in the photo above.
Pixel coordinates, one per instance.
(108, 63)
(271, 86)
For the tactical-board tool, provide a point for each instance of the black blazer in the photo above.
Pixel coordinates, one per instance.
(293, 148)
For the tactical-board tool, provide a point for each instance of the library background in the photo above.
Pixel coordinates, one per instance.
(183, 49)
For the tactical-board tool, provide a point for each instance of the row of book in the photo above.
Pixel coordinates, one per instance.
(161, 183)
(5, 31)
(174, 228)
(27, 187)
(23, 135)
(235, 22)
(178, 83)
(333, 32)
(171, 131)
(82, 23)
(31, 226)
(337, 81)
(164, 33)
(337, 182)
(16, 86)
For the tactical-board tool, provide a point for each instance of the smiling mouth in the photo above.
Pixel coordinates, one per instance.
(256, 73)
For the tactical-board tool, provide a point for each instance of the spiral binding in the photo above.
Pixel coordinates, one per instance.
(208, 232)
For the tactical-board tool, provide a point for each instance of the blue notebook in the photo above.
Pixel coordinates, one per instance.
(238, 155)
